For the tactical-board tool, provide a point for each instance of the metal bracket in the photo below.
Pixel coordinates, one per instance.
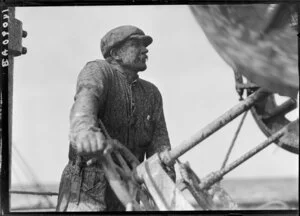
(16, 34)
(164, 191)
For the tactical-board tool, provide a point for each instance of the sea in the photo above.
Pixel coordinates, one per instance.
(248, 194)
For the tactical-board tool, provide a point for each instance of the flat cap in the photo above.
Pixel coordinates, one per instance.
(118, 35)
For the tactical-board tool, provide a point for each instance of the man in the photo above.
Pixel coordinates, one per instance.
(129, 107)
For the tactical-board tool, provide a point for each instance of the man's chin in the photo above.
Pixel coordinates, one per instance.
(140, 68)
(143, 68)
(136, 68)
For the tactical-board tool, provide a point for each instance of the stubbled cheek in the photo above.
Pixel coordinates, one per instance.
(130, 56)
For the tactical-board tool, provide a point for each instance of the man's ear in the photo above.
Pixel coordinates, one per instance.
(114, 53)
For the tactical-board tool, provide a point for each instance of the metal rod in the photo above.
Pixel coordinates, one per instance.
(213, 127)
(239, 81)
(246, 85)
(234, 139)
(217, 176)
(33, 193)
(284, 108)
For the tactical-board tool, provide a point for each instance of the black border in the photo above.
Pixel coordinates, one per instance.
(45, 3)
(4, 172)
(4, 110)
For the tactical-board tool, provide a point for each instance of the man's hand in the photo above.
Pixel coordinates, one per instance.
(93, 142)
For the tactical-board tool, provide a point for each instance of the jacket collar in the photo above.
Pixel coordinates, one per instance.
(130, 79)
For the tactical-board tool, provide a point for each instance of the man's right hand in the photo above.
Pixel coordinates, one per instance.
(92, 142)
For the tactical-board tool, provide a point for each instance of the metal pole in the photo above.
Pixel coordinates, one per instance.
(217, 176)
(169, 157)
(34, 193)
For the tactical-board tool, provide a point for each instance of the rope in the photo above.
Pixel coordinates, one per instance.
(105, 132)
(30, 174)
(234, 139)
(16, 175)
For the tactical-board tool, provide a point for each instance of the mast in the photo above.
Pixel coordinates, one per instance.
(11, 46)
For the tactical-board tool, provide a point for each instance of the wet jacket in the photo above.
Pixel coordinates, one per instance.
(131, 112)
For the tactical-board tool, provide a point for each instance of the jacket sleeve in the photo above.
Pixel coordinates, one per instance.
(160, 140)
(89, 99)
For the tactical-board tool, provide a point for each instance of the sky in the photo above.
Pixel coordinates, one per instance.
(197, 86)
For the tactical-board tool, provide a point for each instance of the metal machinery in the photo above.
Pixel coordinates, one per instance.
(147, 186)
(236, 36)
(130, 179)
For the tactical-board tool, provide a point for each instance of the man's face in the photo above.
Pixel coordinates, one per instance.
(133, 55)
